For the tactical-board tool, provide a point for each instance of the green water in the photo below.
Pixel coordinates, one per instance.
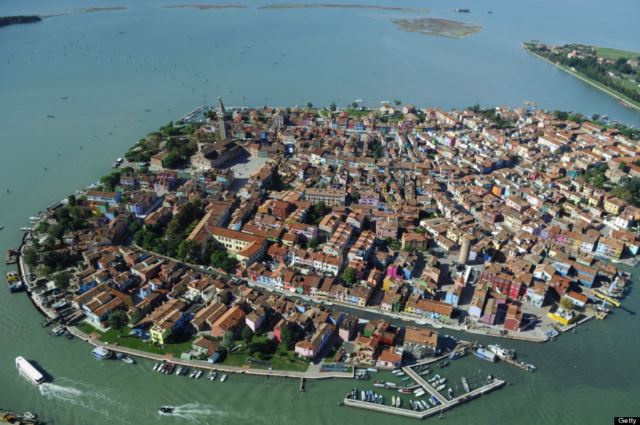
(109, 78)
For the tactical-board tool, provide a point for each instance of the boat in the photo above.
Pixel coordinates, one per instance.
(405, 390)
(424, 372)
(25, 229)
(502, 353)
(127, 359)
(379, 384)
(434, 401)
(485, 354)
(363, 395)
(393, 400)
(179, 370)
(16, 286)
(443, 363)
(396, 371)
(465, 384)
(398, 402)
(419, 392)
(372, 369)
(441, 387)
(156, 366)
(27, 418)
(441, 381)
(29, 371)
(223, 378)
(198, 374)
(101, 353)
(450, 392)
(12, 256)
(58, 330)
(166, 410)
(390, 384)
(456, 354)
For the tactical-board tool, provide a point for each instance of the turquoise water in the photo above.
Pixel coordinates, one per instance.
(109, 78)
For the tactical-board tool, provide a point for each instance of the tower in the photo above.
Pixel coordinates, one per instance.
(465, 247)
(221, 124)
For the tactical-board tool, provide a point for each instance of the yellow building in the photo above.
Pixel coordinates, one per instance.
(613, 205)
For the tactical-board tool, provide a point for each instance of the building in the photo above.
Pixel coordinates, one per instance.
(231, 321)
(420, 342)
(329, 196)
(513, 321)
(246, 248)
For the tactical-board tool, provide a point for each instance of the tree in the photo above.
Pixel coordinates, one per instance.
(71, 200)
(333, 107)
(288, 337)
(349, 276)
(220, 259)
(118, 320)
(110, 181)
(622, 166)
(309, 105)
(246, 333)
(227, 340)
(397, 102)
(354, 105)
(62, 280)
(30, 256)
(189, 251)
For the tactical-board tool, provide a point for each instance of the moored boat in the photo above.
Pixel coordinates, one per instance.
(223, 378)
(101, 353)
(485, 354)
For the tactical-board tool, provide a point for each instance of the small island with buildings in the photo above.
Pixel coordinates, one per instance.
(248, 240)
(19, 19)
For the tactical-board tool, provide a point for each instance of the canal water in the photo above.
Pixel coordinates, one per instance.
(76, 90)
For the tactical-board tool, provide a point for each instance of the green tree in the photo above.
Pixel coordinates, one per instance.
(309, 105)
(246, 333)
(62, 280)
(333, 107)
(220, 259)
(288, 337)
(110, 181)
(30, 256)
(349, 276)
(71, 200)
(227, 340)
(189, 251)
(397, 102)
(118, 320)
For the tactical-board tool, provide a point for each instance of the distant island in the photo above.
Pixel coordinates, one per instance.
(340, 6)
(438, 27)
(616, 72)
(206, 6)
(20, 19)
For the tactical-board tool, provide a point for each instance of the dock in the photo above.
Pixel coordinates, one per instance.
(444, 406)
(302, 384)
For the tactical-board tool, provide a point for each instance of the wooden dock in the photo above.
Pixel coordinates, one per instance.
(447, 405)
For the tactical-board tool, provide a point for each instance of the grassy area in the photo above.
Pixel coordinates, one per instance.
(278, 360)
(609, 53)
(113, 337)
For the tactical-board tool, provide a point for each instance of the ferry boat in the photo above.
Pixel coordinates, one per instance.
(29, 371)
(101, 353)
(485, 354)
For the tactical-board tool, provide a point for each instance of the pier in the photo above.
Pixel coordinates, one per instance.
(446, 405)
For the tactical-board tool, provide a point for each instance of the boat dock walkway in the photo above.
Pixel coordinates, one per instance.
(309, 374)
(424, 384)
(446, 405)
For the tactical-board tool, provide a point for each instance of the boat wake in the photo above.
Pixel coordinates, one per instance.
(89, 399)
(196, 412)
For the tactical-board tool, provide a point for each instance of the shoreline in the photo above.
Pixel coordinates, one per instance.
(623, 100)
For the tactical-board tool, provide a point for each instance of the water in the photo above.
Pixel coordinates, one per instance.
(109, 78)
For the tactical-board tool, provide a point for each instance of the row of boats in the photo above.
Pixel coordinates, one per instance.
(369, 396)
(169, 368)
(102, 353)
(494, 352)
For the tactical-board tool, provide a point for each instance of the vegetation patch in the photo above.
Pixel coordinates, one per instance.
(438, 27)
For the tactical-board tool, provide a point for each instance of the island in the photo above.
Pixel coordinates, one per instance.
(19, 19)
(615, 72)
(438, 27)
(253, 240)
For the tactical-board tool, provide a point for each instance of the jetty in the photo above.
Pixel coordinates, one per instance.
(443, 406)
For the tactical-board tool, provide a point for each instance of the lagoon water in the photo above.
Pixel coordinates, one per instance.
(76, 90)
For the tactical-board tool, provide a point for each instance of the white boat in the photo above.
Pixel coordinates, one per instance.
(58, 330)
(28, 370)
(34, 218)
(393, 400)
(156, 366)
(441, 387)
(372, 369)
(101, 353)
(198, 374)
(25, 229)
(419, 392)
(224, 378)
(179, 370)
(127, 360)
(398, 402)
